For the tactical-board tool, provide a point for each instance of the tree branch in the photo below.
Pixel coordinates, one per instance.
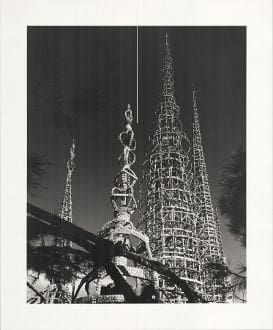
(37, 292)
(44, 220)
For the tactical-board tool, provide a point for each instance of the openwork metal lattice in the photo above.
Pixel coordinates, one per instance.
(171, 221)
(182, 230)
(180, 221)
(65, 212)
(59, 293)
(207, 217)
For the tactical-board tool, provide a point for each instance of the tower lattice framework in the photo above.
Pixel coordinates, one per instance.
(207, 216)
(170, 216)
(58, 292)
(65, 212)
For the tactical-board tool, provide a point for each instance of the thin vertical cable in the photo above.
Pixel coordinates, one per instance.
(137, 67)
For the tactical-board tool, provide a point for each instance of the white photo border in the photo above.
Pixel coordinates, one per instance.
(16, 15)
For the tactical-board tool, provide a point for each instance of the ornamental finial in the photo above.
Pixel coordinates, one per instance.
(122, 194)
(128, 115)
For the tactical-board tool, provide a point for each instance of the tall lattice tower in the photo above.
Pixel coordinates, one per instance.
(58, 292)
(207, 216)
(170, 215)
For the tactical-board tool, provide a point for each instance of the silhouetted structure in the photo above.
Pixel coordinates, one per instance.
(120, 230)
(58, 292)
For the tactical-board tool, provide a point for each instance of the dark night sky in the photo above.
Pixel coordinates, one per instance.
(89, 75)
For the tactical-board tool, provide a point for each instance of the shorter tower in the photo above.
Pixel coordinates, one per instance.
(65, 212)
(209, 226)
(58, 291)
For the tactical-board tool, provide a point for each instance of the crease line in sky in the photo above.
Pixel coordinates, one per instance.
(137, 68)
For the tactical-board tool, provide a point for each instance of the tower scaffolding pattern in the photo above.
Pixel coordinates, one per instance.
(208, 219)
(65, 212)
(201, 186)
(170, 215)
(58, 293)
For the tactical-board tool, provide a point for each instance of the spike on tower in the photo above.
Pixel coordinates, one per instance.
(208, 219)
(58, 292)
(202, 190)
(167, 71)
(66, 208)
(170, 212)
(65, 212)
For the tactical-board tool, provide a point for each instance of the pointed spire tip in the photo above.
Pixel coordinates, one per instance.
(167, 40)
(193, 92)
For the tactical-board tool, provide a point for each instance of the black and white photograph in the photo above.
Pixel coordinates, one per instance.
(136, 166)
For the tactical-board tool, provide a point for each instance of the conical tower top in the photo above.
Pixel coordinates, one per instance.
(202, 189)
(65, 211)
(167, 45)
(66, 208)
(196, 126)
(70, 164)
(197, 140)
(167, 71)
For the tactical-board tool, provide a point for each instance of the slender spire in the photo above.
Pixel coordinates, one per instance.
(167, 71)
(202, 189)
(65, 212)
(207, 217)
(200, 169)
(70, 164)
(168, 50)
(58, 291)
